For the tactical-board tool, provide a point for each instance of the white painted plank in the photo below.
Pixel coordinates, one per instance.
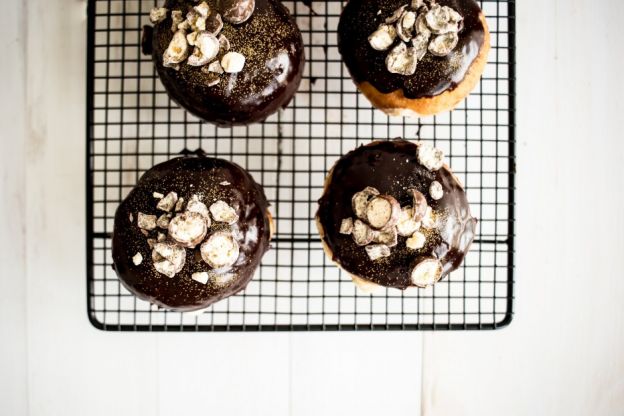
(229, 374)
(13, 372)
(72, 368)
(356, 373)
(562, 354)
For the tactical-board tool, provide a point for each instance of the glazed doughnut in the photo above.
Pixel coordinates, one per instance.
(228, 62)
(417, 57)
(392, 214)
(191, 232)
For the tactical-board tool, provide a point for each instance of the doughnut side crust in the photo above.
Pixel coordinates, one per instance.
(396, 104)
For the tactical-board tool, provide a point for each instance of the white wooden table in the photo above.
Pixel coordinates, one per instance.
(562, 355)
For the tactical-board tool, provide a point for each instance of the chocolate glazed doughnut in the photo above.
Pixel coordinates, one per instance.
(393, 215)
(414, 57)
(240, 63)
(191, 232)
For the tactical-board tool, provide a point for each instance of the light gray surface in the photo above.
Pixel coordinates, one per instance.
(562, 355)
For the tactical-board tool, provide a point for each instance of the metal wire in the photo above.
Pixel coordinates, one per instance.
(132, 125)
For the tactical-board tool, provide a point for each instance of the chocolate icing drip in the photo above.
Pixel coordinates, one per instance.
(393, 168)
(433, 76)
(188, 176)
(274, 52)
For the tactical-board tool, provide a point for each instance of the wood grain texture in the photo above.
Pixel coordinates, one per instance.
(562, 354)
(13, 317)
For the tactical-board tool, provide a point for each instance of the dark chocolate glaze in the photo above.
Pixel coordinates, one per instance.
(433, 76)
(393, 168)
(188, 176)
(274, 53)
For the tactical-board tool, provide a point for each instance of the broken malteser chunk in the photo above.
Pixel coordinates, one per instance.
(220, 250)
(232, 62)
(360, 201)
(222, 212)
(442, 45)
(396, 15)
(382, 211)
(443, 19)
(428, 221)
(416, 241)
(163, 221)
(195, 205)
(377, 251)
(188, 229)
(206, 49)
(402, 60)
(168, 258)
(435, 190)
(419, 205)
(215, 67)
(137, 259)
(406, 225)
(387, 237)
(383, 37)
(427, 272)
(430, 157)
(203, 9)
(346, 226)
(405, 26)
(222, 279)
(214, 24)
(237, 11)
(224, 43)
(362, 233)
(161, 237)
(201, 277)
(146, 222)
(177, 51)
(176, 19)
(179, 205)
(168, 202)
(158, 14)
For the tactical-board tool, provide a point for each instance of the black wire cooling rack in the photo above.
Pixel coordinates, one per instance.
(132, 125)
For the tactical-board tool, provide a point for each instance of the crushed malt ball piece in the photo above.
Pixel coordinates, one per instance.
(427, 272)
(177, 51)
(382, 211)
(201, 277)
(436, 191)
(222, 212)
(387, 237)
(158, 14)
(362, 234)
(237, 11)
(383, 37)
(406, 226)
(146, 222)
(377, 251)
(220, 250)
(346, 226)
(188, 229)
(137, 259)
(168, 202)
(360, 201)
(430, 157)
(416, 241)
(168, 258)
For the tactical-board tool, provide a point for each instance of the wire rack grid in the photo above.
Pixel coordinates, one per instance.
(132, 125)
